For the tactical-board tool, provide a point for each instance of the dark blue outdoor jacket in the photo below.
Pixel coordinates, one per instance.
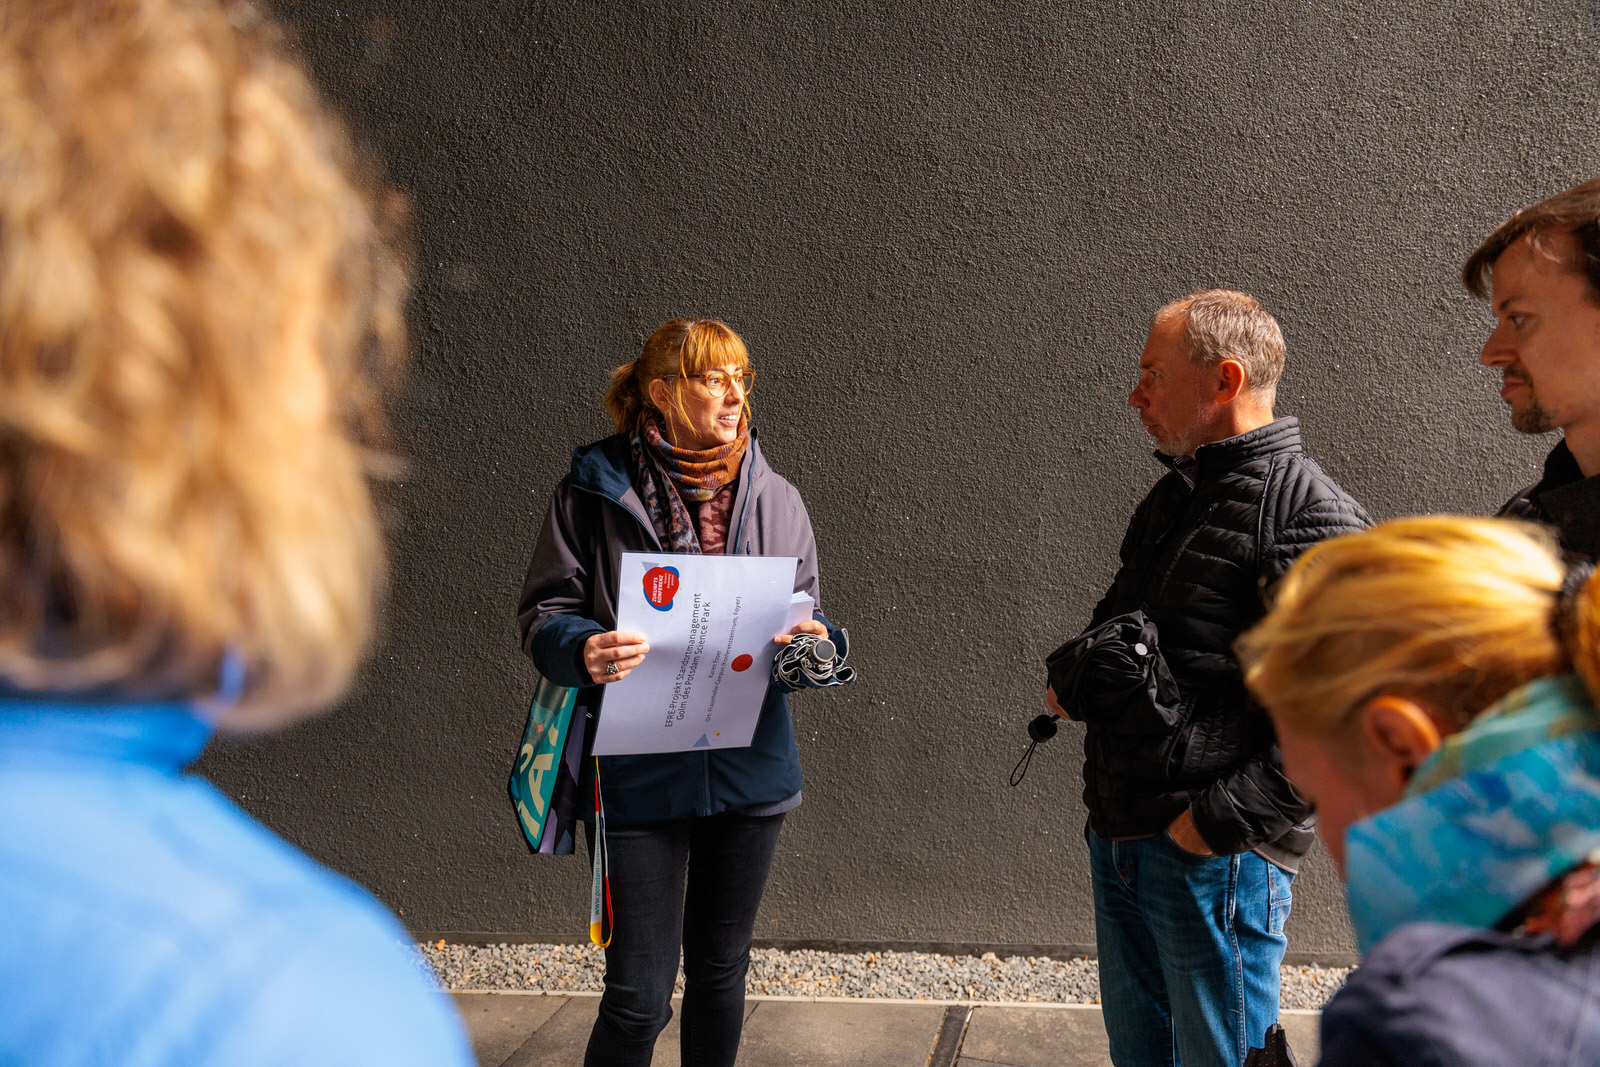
(1436, 995)
(570, 594)
(1565, 499)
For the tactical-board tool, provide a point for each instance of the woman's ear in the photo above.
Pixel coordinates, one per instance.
(1400, 734)
(659, 395)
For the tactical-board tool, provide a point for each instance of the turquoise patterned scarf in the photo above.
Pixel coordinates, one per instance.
(1491, 818)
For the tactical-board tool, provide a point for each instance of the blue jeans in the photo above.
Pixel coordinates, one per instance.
(694, 882)
(1190, 948)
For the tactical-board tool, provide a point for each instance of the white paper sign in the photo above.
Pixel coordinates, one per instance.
(710, 621)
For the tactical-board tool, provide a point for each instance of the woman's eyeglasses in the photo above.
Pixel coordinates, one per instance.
(716, 382)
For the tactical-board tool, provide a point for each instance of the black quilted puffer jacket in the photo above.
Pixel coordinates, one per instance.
(1197, 561)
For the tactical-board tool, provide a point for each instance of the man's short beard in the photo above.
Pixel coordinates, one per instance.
(1172, 446)
(1532, 418)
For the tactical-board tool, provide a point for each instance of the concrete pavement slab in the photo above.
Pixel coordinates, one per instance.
(560, 1036)
(1305, 1034)
(520, 1030)
(788, 1033)
(1065, 1036)
(561, 1041)
(500, 1023)
(1075, 1036)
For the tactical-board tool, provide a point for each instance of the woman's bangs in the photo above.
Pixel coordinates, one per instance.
(712, 346)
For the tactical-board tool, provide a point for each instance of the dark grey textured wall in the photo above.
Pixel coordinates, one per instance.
(941, 229)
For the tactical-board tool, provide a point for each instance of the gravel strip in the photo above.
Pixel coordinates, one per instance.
(811, 973)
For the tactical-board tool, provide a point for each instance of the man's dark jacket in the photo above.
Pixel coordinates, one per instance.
(1565, 499)
(1197, 562)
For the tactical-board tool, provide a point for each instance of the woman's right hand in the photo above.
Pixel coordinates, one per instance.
(626, 650)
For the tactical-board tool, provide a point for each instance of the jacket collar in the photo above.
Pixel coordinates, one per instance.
(1560, 468)
(164, 736)
(1569, 501)
(1279, 435)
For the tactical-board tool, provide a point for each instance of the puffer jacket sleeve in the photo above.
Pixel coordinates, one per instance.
(557, 594)
(1256, 803)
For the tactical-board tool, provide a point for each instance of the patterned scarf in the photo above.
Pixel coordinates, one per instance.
(1491, 820)
(667, 476)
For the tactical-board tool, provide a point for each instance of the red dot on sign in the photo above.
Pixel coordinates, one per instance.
(742, 663)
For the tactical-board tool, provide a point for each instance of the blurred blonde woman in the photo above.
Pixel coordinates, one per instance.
(689, 835)
(1433, 682)
(200, 307)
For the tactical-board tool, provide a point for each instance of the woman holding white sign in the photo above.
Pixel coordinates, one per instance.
(689, 835)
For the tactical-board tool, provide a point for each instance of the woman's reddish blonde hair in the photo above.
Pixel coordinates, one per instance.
(200, 312)
(678, 347)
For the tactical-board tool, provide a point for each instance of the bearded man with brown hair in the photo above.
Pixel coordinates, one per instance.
(1540, 271)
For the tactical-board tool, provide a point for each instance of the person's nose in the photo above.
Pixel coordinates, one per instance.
(1137, 399)
(1497, 350)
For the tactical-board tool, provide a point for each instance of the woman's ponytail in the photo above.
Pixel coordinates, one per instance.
(1579, 625)
(625, 400)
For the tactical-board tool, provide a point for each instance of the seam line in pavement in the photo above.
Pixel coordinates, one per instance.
(952, 1031)
(525, 1052)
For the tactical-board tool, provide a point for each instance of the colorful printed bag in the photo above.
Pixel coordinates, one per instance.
(545, 777)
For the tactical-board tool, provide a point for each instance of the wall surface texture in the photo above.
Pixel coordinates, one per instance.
(942, 229)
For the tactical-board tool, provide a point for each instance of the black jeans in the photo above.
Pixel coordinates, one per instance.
(694, 882)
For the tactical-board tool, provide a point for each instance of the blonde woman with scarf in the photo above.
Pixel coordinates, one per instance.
(1433, 683)
(689, 836)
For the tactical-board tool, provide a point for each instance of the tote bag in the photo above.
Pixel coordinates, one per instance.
(544, 779)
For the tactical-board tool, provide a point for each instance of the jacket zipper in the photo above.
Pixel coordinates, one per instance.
(744, 509)
(1154, 577)
(705, 757)
(1172, 564)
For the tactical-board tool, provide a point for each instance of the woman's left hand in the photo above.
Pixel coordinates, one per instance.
(810, 626)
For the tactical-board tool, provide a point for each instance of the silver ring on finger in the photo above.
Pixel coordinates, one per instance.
(611, 668)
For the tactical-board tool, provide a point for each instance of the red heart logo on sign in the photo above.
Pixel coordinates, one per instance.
(660, 586)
